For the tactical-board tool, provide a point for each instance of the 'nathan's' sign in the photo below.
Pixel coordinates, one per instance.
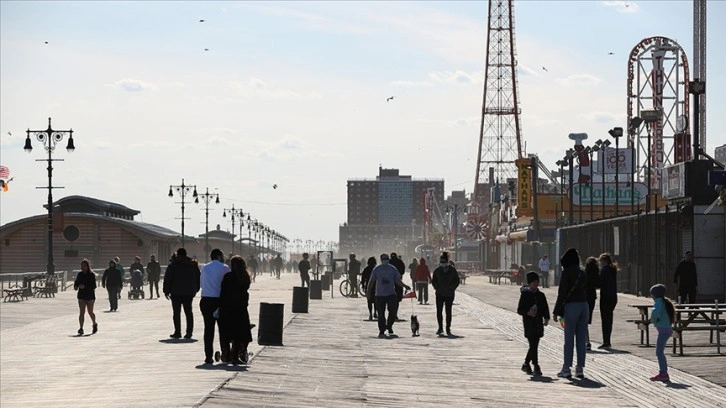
(524, 188)
(597, 194)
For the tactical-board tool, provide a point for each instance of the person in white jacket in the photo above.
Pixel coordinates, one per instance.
(544, 270)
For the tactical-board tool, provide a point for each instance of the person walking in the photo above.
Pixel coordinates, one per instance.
(253, 266)
(304, 267)
(234, 317)
(370, 294)
(535, 314)
(277, 265)
(401, 267)
(423, 278)
(592, 271)
(662, 317)
(572, 304)
(111, 280)
(544, 270)
(687, 279)
(608, 296)
(412, 271)
(123, 274)
(212, 275)
(85, 284)
(386, 278)
(353, 272)
(153, 274)
(445, 281)
(181, 284)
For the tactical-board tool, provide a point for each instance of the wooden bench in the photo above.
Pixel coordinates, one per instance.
(14, 294)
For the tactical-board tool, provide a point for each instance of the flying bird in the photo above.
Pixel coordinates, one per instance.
(46, 42)
(201, 20)
(206, 49)
(274, 186)
(10, 134)
(611, 53)
(390, 98)
(545, 69)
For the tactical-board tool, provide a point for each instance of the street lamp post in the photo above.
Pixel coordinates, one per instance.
(632, 129)
(234, 214)
(617, 133)
(50, 138)
(570, 214)
(602, 146)
(590, 151)
(207, 198)
(183, 190)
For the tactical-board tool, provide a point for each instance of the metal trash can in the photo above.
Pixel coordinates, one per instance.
(300, 299)
(326, 280)
(269, 330)
(316, 289)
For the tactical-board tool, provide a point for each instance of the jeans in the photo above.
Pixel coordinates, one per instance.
(606, 315)
(113, 296)
(423, 292)
(576, 316)
(392, 303)
(545, 276)
(532, 352)
(442, 301)
(177, 302)
(663, 334)
(152, 284)
(208, 305)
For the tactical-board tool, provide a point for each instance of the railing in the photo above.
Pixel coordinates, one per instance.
(65, 278)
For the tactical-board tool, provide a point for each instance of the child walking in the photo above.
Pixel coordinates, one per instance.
(535, 314)
(662, 318)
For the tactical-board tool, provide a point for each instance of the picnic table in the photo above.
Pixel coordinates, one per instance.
(644, 322)
(496, 275)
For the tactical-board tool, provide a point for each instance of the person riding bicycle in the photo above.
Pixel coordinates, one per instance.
(353, 272)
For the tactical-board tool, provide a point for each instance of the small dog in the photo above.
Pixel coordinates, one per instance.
(414, 326)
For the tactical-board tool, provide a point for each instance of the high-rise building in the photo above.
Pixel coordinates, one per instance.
(386, 214)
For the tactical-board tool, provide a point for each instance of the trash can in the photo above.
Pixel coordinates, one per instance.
(300, 299)
(269, 330)
(316, 290)
(326, 280)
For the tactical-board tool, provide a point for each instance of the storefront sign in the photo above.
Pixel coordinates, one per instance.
(524, 188)
(605, 194)
(675, 181)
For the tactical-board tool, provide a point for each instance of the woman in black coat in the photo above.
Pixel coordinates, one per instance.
(85, 284)
(234, 317)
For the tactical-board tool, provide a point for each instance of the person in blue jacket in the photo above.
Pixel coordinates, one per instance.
(662, 318)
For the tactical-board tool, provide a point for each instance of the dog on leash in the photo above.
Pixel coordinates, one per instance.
(414, 326)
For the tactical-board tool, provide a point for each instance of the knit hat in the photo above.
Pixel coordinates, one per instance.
(444, 259)
(658, 290)
(570, 257)
(532, 276)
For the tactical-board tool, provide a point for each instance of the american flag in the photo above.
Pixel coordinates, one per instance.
(4, 173)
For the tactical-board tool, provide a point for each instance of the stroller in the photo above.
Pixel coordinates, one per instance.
(137, 285)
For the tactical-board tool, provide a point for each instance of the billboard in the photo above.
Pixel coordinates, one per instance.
(524, 188)
(675, 181)
(606, 193)
(617, 161)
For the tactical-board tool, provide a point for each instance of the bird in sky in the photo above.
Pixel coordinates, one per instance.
(206, 49)
(201, 20)
(390, 98)
(611, 53)
(274, 186)
(10, 134)
(627, 5)
(545, 69)
(46, 42)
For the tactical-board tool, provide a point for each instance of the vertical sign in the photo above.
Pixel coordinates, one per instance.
(656, 149)
(524, 188)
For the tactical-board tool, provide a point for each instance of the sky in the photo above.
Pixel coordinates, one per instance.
(293, 95)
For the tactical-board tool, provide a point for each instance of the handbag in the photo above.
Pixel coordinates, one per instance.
(560, 307)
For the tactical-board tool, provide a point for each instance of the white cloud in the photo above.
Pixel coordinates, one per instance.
(411, 83)
(602, 117)
(260, 88)
(523, 69)
(134, 85)
(620, 6)
(457, 77)
(579, 80)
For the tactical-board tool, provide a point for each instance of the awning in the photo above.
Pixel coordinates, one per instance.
(518, 235)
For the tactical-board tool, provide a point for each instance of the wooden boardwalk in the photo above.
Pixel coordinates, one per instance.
(331, 358)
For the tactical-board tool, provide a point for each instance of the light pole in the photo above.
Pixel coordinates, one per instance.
(234, 214)
(570, 214)
(602, 145)
(617, 133)
(590, 151)
(183, 190)
(207, 198)
(50, 138)
(632, 129)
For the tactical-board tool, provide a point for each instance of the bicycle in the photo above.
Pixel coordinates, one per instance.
(346, 288)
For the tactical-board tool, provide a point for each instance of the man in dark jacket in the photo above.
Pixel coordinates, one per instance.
(153, 274)
(535, 314)
(445, 281)
(686, 279)
(353, 272)
(181, 284)
(401, 266)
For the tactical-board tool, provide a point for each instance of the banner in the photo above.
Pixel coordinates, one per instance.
(620, 159)
(524, 188)
(657, 150)
(675, 181)
(604, 194)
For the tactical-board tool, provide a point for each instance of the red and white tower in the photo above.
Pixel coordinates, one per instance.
(500, 141)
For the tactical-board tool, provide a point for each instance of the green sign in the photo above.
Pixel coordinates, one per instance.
(605, 194)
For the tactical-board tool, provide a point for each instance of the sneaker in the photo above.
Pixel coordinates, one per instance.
(661, 377)
(579, 373)
(208, 361)
(175, 336)
(605, 346)
(390, 332)
(244, 357)
(565, 373)
(95, 328)
(80, 332)
(448, 332)
(527, 369)
(588, 347)
(381, 335)
(537, 371)
(440, 331)
(188, 336)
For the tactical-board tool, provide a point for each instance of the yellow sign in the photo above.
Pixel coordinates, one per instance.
(524, 188)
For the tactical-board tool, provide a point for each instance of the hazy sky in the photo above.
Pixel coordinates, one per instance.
(294, 94)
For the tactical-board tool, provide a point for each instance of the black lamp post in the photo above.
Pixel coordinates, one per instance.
(617, 133)
(207, 198)
(632, 129)
(183, 190)
(50, 138)
(570, 215)
(234, 214)
(590, 151)
(602, 145)
(697, 88)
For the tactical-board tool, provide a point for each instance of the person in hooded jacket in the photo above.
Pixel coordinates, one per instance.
(572, 304)
(445, 281)
(423, 277)
(365, 279)
(535, 314)
(401, 266)
(112, 281)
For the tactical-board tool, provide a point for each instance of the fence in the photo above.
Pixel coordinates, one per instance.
(65, 278)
